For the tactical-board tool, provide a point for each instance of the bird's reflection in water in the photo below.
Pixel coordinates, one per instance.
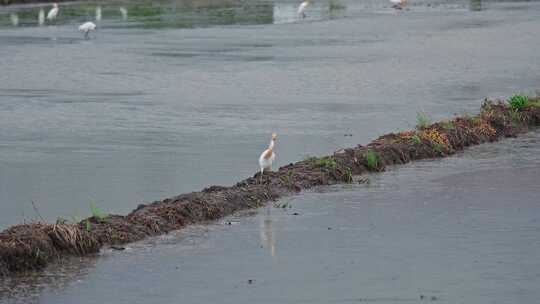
(123, 13)
(267, 233)
(14, 19)
(475, 5)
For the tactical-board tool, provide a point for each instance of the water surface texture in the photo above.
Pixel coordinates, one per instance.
(139, 112)
(172, 96)
(460, 230)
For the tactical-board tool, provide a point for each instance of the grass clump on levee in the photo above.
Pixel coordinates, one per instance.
(327, 162)
(372, 160)
(422, 121)
(518, 102)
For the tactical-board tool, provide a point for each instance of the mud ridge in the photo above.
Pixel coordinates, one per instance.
(33, 246)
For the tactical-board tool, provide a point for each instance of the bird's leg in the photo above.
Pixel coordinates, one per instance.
(86, 35)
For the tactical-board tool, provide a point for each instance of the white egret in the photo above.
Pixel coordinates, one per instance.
(267, 157)
(398, 4)
(41, 16)
(53, 13)
(98, 13)
(123, 12)
(302, 8)
(86, 28)
(14, 19)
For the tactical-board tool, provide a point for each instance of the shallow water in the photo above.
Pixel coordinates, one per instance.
(180, 95)
(137, 114)
(459, 230)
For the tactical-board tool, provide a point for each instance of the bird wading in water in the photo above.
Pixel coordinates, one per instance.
(302, 8)
(267, 157)
(53, 13)
(398, 4)
(86, 28)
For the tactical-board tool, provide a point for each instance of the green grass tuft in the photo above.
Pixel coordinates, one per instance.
(416, 139)
(372, 160)
(518, 102)
(422, 121)
(327, 162)
(448, 125)
(437, 148)
(96, 212)
(516, 117)
(288, 180)
(348, 176)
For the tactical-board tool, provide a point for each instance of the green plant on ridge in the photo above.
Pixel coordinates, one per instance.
(416, 139)
(96, 212)
(348, 176)
(518, 102)
(422, 121)
(437, 148)
(311, 159)
(516, 116)
(288, 180)
(447, 125)
(327, 162)
(372, 160)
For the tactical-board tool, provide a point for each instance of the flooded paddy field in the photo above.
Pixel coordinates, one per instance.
(171, 97)
(457, 230)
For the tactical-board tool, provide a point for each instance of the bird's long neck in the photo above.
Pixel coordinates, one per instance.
(271, 145)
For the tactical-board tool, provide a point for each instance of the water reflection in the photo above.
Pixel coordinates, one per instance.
(41, 16)
(123, 13)
(267, 233)
(475, 5)
(28, 287)
(177, 13)
(98, 13)
(14, 19)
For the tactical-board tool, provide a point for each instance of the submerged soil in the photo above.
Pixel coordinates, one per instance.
(32, 246)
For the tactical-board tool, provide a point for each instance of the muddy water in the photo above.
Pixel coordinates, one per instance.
(459, 230)
(175, 96)
(151, 107)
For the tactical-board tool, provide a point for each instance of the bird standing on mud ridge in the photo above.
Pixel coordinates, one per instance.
(267, 157)
(86, 28)
(302, 8)
(53, 13)
(398, 4)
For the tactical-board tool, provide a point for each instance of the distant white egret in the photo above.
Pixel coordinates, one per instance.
(98, 13)
(14, 19)
(86, 28)
(398, 4)
(53, 13)
(302, 8)
(267, 157)
(123, 12)
(41, 16)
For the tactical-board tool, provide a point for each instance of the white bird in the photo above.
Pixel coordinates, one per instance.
(86, 28)
(98, 13)
(267, 157)
(53, 13)
(302, 8)
(398, 4)
(41, 17)
(123, 12)
(14, 19)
